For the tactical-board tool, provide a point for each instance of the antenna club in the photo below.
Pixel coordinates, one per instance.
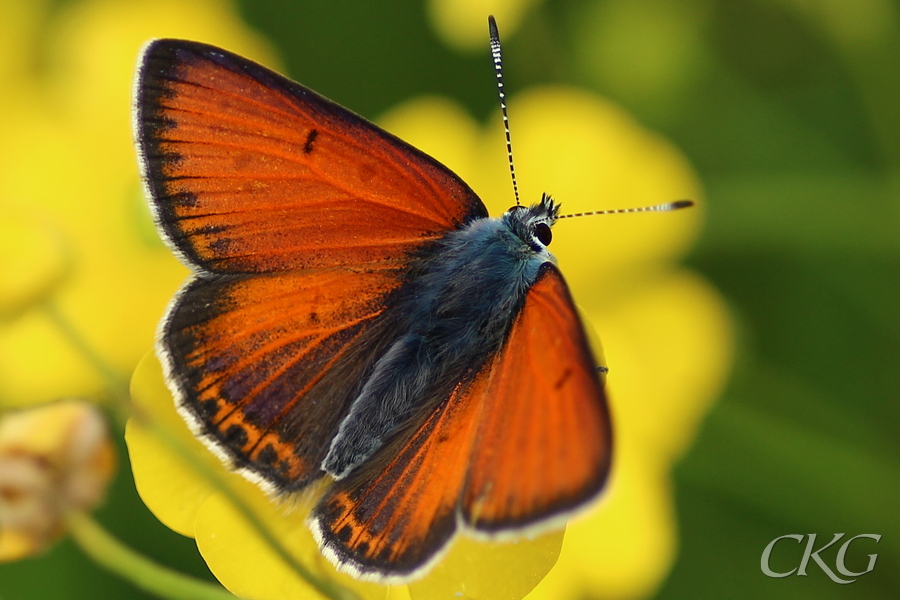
(667, 207)
(492, 26)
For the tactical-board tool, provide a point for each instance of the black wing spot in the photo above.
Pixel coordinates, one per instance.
(268, 456)
(221, 246)
(235, 436)
(310, 139)
(344, 534)
(561, 380)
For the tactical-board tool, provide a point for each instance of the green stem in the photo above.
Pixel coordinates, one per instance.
(144, 573)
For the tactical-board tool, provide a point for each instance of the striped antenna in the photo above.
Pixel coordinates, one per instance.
(498, 68)
(668, 206)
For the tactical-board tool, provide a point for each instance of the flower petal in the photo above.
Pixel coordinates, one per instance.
(170, 488)
(490, 570)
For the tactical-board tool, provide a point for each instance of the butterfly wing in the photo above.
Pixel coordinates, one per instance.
(392, 516)
(544, 443)
(265, 365)
(527, 441)
(250, 172)
(299, 219)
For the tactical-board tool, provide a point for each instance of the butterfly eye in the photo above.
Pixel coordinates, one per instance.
(543, 234)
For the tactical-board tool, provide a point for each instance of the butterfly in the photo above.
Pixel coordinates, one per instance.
(354, 313)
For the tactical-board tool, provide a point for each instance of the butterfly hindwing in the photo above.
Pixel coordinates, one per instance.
(250, 172)
(399, 510)
(524, 442)
(265, 366)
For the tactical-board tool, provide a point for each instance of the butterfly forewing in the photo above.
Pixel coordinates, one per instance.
(251, 172)
(299, 219)
(544, 440)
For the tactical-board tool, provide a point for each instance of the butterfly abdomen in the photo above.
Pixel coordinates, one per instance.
(457, 313)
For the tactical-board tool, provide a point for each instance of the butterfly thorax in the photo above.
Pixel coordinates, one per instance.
(454, 314)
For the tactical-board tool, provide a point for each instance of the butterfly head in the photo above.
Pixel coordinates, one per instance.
(532, 223)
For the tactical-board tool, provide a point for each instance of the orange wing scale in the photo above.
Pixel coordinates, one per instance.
(527, 441)
(397, 519)
(266, 365)
(254, 173)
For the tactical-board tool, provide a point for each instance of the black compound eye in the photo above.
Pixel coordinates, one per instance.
(543, 234)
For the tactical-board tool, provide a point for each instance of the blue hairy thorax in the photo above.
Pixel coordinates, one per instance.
(455, 314)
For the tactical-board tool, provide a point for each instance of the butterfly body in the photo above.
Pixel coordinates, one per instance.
(457, 307)
(353, 311)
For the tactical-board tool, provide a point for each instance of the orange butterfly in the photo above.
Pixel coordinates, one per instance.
(354, 312)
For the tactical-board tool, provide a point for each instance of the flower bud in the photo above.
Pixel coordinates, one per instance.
(53, 459)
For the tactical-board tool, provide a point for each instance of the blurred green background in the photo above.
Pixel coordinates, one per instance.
(790, 112)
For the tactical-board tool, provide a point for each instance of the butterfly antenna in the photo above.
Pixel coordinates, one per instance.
(667, 207)
(498, 68)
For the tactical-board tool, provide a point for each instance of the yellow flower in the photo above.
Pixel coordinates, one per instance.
(73, 222)
(665, 331)
(53, 459)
